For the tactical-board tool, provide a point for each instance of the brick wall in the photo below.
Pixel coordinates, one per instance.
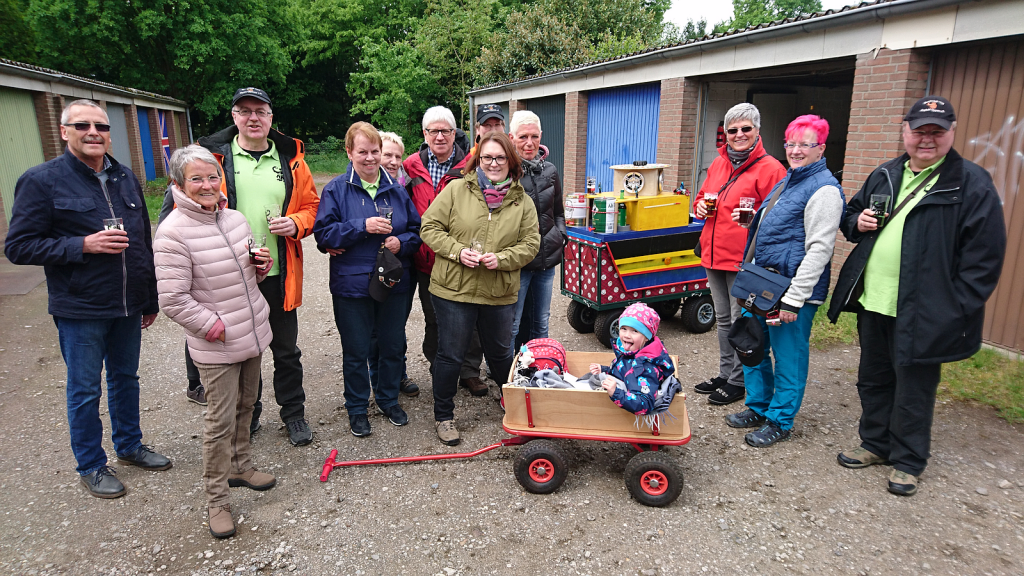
(677, 131)
(48, 111)
(183, 128)
(131, 117)
(158, 149)
(513, 107)
(884, 86)
(574, 177)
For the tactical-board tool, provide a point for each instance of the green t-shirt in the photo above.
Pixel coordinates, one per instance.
(259, 183)
(882, 273)
(372, 187)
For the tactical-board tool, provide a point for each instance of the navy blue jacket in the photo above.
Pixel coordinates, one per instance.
(341, 223)
(56, 205)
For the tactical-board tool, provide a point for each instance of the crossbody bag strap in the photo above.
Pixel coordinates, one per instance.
(736, 175)
(913, 193)
(750, 251)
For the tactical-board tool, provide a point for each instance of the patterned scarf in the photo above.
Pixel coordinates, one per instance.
(494, 194)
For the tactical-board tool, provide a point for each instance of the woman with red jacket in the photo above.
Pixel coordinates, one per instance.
(742, 170)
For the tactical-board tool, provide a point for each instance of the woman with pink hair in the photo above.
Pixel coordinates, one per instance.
(793, 234)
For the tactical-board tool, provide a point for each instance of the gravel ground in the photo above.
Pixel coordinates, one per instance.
(789, 508)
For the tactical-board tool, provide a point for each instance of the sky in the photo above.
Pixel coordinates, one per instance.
(718, 10)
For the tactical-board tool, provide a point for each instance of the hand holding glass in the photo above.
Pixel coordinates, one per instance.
(746, 211)
(880, 207)
(272, 211)
(256, 242)
(113, 224)
(385, 211)
(711, 202)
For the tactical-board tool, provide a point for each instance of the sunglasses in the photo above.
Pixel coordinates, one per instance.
(745, 129)
(84, 126)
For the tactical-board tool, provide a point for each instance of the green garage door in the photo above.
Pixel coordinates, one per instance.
(20, 146)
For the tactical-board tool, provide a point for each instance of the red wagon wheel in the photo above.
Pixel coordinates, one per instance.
(540, 467)
(653, 479)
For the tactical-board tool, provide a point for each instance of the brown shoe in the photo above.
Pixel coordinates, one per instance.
(221, 524)
(252, 478)
(475, 384)
(902, 484)
(859, 458)
(447, 432)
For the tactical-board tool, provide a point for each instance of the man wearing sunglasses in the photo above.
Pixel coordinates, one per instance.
(83, 218)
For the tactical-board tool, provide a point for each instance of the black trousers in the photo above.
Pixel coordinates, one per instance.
(288, 390)
(473, 357)
(898, 402)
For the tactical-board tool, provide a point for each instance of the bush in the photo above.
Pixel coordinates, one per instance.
(330, 145)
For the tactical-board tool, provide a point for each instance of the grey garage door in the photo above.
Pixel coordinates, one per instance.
(551, 111)
(119, 135)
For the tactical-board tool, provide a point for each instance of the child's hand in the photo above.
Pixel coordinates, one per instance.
(595, 369)
(609, 386)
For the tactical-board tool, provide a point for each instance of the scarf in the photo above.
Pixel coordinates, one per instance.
(494, 194)
(738, 158)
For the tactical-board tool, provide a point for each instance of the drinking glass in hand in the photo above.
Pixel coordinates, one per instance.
(476, 246)
(272, 211)
(256, 242)
(113, 224)
(746, 209)
(710, 202)
(880, 206)
(385, 211)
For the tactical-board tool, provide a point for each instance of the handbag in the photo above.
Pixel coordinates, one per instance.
(758, 289)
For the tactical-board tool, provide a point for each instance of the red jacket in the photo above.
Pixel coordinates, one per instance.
(722, 241)
(423, 191)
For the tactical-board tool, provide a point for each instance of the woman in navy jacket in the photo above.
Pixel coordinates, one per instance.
(350, 227)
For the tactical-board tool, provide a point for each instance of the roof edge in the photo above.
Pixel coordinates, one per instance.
(47, 74)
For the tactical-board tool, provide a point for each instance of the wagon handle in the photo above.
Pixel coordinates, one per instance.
(330, 463)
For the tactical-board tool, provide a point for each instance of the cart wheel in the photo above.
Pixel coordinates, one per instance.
(606, 326)
(540, 467)
(653, 479)
(581, 317)
(699, 314)
(667, 308)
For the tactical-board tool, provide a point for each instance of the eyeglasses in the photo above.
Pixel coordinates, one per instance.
(261, 114)
(499, 160)
(791, 145)
(744, 129)
(198, 180)
(442, 132)
(84, 126)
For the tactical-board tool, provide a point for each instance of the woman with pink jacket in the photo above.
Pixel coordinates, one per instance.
(207, 283)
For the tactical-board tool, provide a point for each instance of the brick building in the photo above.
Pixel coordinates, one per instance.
(859, 67)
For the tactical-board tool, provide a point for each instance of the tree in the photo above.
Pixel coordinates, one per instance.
(693, 30)
(534, 41)
(753, 12)
(17, 40)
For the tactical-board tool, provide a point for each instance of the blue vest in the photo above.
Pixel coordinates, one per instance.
(781, 239)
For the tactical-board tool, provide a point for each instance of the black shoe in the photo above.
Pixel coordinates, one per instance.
(299, 433)
(767, 435)
(408, 387)
(396, 415)
(360, 425)
(146, 459)
(709, 386)
(103, 484)
(746, 419)
(254, 427)
(727, 395)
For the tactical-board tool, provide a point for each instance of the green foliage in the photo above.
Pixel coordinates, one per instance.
(990, 378)
(752, 12)
(153, 192)
(825, 335)
(610, 46)
(620, 19)
(330, 145)
(17, 39)
(535, 40)
(693, 30)
(335, 163)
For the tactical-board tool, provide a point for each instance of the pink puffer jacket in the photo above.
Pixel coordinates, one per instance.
(203, 273)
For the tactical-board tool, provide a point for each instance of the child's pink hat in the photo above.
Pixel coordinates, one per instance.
(641, 318)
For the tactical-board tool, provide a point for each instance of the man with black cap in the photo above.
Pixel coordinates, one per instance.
(267, 180)
(489, 118)
(918, 284)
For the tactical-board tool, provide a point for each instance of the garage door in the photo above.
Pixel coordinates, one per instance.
(985, 83)
(119, 135)
(20, 145)
(551, 112)
(622, 126)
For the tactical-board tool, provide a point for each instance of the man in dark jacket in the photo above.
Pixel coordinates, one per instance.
(918, 285)
(83, 218)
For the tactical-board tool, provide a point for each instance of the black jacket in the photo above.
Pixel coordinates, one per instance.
(544, 186)
(56, 205)
(954, 240)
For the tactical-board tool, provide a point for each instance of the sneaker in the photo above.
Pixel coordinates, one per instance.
(396, 415)
(767, 435)
(103, 483)
(408, 387)
(299, 433)
(360, 425)
(746, 419)
(902, 484)
(859, 458)
(447, 432)
(221, 524)
(475, 384)
(252, 479)
(197, 395)
(146, 459)
(709, 386)
(727, 395)
(254, 427)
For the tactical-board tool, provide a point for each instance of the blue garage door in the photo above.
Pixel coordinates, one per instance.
(622, 126)
(147, 144)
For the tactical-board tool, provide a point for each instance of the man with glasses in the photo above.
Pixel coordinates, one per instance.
(439, 160)
(83, 218)
(930, 242)
(268, 181)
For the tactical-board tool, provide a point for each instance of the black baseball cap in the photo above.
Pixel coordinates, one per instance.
(386, 273)
(931, 110)
(485, 112)
(250, 92)
(747, 337)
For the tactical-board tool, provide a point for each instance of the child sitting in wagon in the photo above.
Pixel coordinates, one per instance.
(641, 361)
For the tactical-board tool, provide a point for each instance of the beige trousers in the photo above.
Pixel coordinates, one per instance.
(230, 395)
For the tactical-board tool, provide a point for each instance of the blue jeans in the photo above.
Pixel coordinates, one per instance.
(777, 393)
(455, 323)
(357, 319)
(88, 346)
(535, 284)
(375, 351)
